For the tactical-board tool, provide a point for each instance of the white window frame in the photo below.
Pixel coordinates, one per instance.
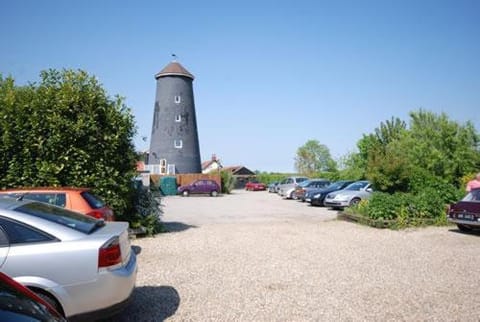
(177, 99)
(178, 118)
(178, 144)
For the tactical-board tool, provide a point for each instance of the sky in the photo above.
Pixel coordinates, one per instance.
(269, 75)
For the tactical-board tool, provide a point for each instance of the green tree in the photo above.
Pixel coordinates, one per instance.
(313, 158)
(66, 131)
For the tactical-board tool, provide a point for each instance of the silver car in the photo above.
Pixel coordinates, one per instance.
(287, 187)
(82, 266)
(351, 195)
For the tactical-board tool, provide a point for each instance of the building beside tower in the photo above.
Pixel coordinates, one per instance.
(174, 144)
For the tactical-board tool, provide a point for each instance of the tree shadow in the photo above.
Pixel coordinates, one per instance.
(175, 226)
(150, 303)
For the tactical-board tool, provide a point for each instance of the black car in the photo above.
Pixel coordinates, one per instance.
(19, 304)
(316, 197)
(466, 212)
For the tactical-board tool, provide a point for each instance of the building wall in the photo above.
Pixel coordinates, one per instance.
(174, 130)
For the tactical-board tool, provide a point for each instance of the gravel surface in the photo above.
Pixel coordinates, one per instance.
(252, 256)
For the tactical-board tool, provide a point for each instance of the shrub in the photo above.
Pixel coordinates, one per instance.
(399, 210)
(228, 181)
(146, 209)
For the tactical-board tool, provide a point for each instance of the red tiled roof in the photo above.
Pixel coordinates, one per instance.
(174, 69)
(206, 164)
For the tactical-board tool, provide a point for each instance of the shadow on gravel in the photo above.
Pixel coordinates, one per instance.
(150, 303)
(474, 232)
(174, 226)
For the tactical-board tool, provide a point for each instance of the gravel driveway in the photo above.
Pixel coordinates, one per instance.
(252, 256)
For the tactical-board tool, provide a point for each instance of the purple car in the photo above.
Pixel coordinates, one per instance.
(202, 186)
(466, 212)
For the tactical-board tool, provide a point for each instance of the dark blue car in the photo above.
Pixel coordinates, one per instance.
(316, 197)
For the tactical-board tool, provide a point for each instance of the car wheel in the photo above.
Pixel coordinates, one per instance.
(464, 228)
(185, 193)
(354, 201)
(214, 193)
(50, 300)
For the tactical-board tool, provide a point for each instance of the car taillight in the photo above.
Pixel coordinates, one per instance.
(96, 214)
(110, 254)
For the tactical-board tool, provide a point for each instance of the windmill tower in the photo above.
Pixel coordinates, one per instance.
(174, 140)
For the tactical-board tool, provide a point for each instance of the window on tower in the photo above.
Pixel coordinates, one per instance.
(178, 118)
(178, 99)
(178, 144)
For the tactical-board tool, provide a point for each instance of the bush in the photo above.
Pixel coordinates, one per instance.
(399, 210)
(146, 210)
(228, 181)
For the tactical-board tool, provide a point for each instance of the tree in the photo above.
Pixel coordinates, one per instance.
(66, 131)
(314, 157)
(433, 149)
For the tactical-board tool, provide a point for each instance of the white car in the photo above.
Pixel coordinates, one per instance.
(351, 195)
(82, 266)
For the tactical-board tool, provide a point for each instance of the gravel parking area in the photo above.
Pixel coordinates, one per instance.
(252, 256)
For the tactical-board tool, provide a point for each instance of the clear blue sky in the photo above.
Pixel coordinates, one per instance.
(270, 75)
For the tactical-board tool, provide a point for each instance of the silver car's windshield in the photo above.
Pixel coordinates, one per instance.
(73, 220)
(357, 186)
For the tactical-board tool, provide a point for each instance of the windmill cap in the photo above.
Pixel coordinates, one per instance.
(174, 69)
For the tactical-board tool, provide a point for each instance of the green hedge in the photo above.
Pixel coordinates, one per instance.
(400, 210)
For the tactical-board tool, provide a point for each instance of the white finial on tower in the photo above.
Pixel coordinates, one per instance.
(174, 57)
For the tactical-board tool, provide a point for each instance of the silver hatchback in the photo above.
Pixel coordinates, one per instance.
(82, 266)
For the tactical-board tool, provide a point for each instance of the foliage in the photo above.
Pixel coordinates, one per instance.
(420, 168)
(228, 181)
(66, 131)
(350, 167)
(146, 209)
(314, 157)
(400, 209)
(268, 178)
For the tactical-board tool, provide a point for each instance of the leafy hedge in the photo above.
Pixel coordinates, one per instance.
(400, 210)
(66, 130)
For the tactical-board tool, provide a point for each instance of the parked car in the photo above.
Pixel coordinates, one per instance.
(203, 186)
(466, 213)
(272, 187)
(287, 187)
(81, 200)
(308, 185)
(317, 196)
(82, 266)
(255, 186)
(351, 195)
(19, 304)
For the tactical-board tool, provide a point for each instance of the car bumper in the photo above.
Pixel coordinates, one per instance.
(336, 203)
(474, 222)
(105, 296)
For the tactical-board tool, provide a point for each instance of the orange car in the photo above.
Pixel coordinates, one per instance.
(81, 200)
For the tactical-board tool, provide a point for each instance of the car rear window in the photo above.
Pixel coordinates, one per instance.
(92, 200)
(53, 198)
(73, 220)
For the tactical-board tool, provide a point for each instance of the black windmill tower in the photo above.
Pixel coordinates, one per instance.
(174, 140)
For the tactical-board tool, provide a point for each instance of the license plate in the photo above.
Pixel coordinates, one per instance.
(308, 200)
(465, 216)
